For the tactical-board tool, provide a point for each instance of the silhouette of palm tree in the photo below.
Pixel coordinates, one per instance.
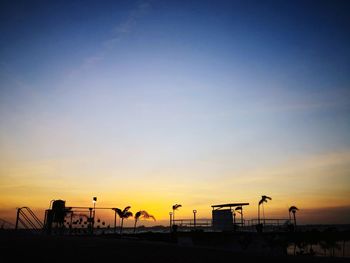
(123, 214)
(293, 209)
(142, 214)
(263, 200)
(175, 207)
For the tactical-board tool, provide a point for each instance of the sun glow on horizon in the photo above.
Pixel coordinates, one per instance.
(152, 103)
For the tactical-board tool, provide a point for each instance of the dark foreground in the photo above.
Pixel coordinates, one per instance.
(16, 247)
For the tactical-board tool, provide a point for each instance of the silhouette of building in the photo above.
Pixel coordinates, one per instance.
(223, 216)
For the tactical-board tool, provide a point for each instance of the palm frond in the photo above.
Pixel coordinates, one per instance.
(127, 214)
(176, 206)
(138, 214)
(119, 212)
(293, 209)
(147, 215)
(262, 201)
(126, 209)
(266, 197)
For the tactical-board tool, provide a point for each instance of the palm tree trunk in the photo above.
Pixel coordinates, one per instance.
(135, 225)
(295, 221)
(173, 216)
(263, 213)
(115, 221)
(121, 226)
(259, 214)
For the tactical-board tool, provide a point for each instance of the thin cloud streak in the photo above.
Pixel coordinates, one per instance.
(120, 31)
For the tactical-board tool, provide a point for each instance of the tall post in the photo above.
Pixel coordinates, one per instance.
(242, 223)
(194, 218)
(170, 221)
(115, 220)
(263, 213)
(90, 219)
(94, 200)
(173, 217)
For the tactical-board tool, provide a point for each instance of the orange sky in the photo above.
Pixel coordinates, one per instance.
(310, 186)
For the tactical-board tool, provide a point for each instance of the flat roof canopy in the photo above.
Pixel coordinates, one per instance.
(229, 205)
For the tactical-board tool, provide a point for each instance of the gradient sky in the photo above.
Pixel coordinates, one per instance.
(152, 103)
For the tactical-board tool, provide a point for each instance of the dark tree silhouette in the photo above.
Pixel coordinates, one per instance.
(293, 209)
(175, 207)
(142, 214)
(123, 214)
(263, 200)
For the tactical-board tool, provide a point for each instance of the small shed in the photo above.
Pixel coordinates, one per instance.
(224, 216)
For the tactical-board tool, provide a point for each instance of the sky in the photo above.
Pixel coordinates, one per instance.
(153, 103)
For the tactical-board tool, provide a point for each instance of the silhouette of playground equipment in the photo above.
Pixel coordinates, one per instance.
(28, 219)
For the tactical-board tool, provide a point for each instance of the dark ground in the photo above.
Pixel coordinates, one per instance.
(16, 247)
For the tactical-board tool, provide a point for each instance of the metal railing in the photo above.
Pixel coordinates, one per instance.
(4, 224)
(192, 223)
(28, 220)
(267, 222)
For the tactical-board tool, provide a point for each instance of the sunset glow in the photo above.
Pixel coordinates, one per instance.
(153, 103)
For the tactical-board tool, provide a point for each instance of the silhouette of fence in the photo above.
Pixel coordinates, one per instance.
(4, 224)
(267, 222)
(200, 223)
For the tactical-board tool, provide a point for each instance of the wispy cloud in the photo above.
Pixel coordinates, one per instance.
(119, 32)
(127, 25)
(92, 60)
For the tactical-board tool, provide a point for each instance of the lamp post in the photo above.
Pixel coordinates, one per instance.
(90, 220)
(94, 200)
(194, 218)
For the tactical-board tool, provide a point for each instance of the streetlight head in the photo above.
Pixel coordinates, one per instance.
(170, 213)
(194, 211)
(94, 200)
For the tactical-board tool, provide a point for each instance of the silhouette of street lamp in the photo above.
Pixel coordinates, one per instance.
(94, 200)
(194, 218)
(90, 226)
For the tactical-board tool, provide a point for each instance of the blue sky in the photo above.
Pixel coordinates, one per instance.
(157, 90)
